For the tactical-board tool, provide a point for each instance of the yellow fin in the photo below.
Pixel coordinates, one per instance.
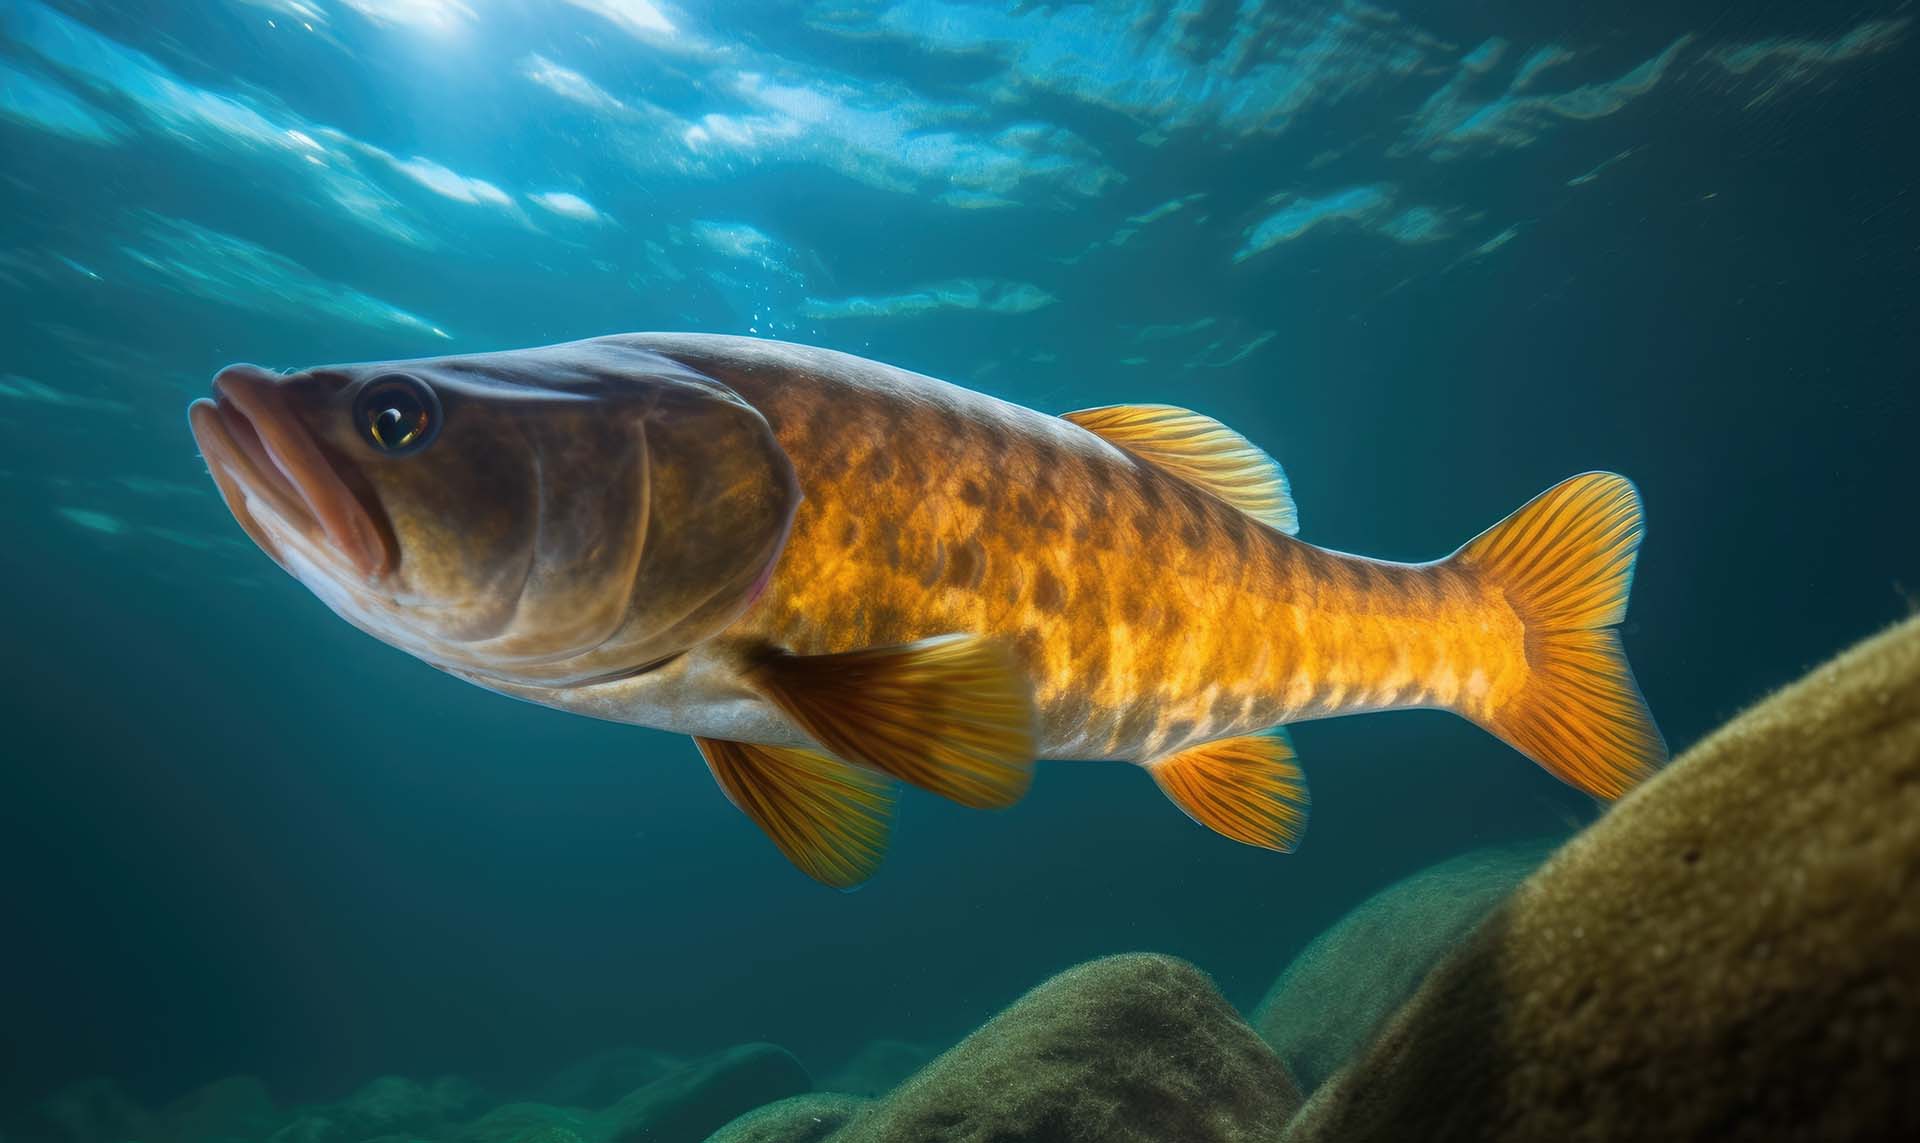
(1201, 451)
(953, 714)
(1564, 563)
(1248, 788)
(829, 818)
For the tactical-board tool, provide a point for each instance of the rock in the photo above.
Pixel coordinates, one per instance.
(604, 1077)
(390, 1107)
(92, 1111)
(879, 1067)
(696, 1099)
(1732, 952)
(397, 1105)
(525, 1123)
(799, 1119)
(1127, 1049)
(232, 1110)
(1333, 996)
(309, 1129)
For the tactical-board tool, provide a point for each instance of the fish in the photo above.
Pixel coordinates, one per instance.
(838, 576)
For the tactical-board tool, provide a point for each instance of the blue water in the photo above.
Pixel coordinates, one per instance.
(1432, 258)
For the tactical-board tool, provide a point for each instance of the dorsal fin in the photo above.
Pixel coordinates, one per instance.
(1201, 451)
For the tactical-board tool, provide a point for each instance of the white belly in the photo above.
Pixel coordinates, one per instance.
(699, 694)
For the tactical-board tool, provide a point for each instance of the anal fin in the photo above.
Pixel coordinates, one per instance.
(1248, 788)
(953, 715)
(830, 819)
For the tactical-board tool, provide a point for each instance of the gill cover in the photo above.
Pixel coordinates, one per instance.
(579, 512)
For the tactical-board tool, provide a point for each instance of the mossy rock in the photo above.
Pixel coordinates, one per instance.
(92, 1111)
(1127, 1049)
(600, 1079)
(806, 1118)
(1732, 952)
(396, 1105)
(696, 1099)
(525, 1123)
(232, 1110)
(312, 1129)
(1339, 989)
(879, 1067)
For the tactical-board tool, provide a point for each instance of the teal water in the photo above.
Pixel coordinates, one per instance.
(1433, 258)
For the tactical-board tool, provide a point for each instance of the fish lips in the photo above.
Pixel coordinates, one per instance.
(257, 449)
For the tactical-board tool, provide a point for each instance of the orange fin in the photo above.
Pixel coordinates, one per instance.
(1564, 562)
(953, 714)
(1248, 788)
(829, 818)
(1201, 451)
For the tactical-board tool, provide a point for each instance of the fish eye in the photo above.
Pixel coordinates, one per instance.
(397, 414)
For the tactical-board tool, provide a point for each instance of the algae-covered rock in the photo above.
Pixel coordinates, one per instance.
(396, 1105)
(604, 1077)
(696, 1099)
(525, 1123)
(232, 1110)
(878, 1068)
(388, 1107)
(1128, 1049)
(310, 1129)
(92, 1111)
(799, 1119)
(1336, 992)
(1732, 952)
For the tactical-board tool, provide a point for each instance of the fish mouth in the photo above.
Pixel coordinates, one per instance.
(261, 455)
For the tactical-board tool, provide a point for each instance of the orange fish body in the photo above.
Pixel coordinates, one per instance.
(1147, 611)
(1148, 614)
(967, 585)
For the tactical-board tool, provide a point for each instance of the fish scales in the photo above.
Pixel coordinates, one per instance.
(1149, 614)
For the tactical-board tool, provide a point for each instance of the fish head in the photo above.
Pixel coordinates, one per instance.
(540, 518)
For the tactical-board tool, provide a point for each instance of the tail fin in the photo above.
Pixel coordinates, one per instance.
(1564, 563)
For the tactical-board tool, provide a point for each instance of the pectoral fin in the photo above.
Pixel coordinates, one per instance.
(830, 819)
(1201, 451)
(1248, 788)
(953, 715)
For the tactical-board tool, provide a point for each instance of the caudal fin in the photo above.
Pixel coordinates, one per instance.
(1564, 563)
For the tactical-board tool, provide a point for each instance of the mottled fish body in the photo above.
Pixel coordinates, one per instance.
(830, 572)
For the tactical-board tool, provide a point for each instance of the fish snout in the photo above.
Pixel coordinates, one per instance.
(261, 452)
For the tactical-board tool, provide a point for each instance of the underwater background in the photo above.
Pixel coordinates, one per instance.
(1432, 257)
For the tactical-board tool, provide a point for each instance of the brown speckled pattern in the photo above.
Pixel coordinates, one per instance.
(1149, 614)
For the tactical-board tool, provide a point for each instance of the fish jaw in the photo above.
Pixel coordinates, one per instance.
(277, 482)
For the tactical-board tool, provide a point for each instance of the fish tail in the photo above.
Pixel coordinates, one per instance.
(1564, 564)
